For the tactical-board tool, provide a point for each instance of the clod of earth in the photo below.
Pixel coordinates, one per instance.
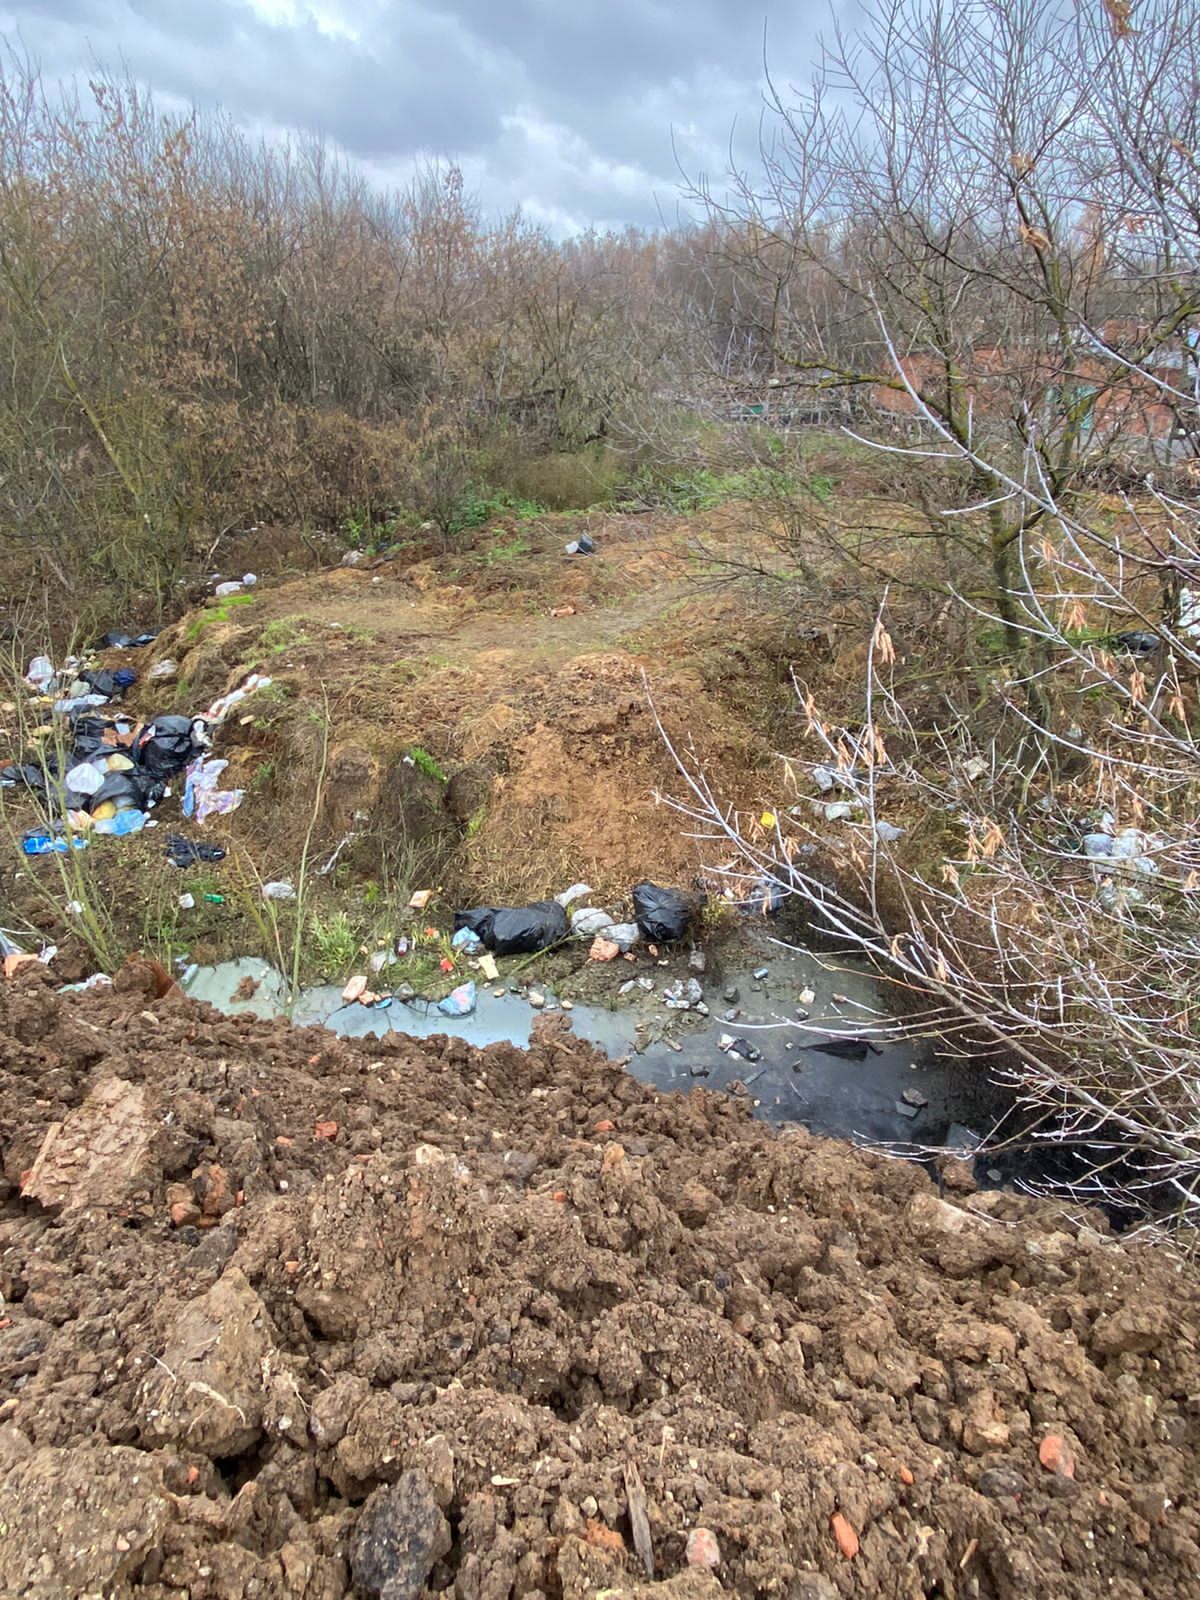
(473, 1345)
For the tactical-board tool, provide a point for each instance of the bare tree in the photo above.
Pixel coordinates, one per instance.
(1041, 892)
(982, 213)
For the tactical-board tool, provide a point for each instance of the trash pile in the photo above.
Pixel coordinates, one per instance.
(483, 933)
(100, 771)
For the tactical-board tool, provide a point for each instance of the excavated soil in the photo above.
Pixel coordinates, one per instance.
(287, 1316)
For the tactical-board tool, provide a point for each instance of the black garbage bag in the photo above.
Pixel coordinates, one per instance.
(586, 544)
(88, 729)
(1135, 642)
(112, 685)
(127, 791)
(181, 852)
(515, 931)
(663, 915)
(25, 775)
(845, 1049)
(165, 746)
(117, 640)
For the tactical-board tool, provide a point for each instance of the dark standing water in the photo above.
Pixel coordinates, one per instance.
(905, 1094)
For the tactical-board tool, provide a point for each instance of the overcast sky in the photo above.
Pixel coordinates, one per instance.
(567, 108)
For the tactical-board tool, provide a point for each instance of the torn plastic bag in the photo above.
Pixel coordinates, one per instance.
(181, 852)
(84, 779)
(201, 797)
(41, 674)
(663, 915)
(509, 931)
(590, 921)
(459, 1002)
(165, 746)
(125, 822)
(120, 791)
(115, 641)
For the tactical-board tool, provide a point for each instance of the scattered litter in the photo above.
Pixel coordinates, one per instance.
(487, 965)
(681, 996)
(40, 674)
(742, 1048)
(98, 980)
(222, 706)
(647, 984)
(163, 671)
(45, 844)
(468, 941)
(181, 852)
(589, 921)
(1134, 642)
(459, 1002)
(280, 889)
(914, 1097)
(583, 546)
(354, 988)
(536, 999)
(420, 899)
(974, 769)
(509, 932)
(604, 950)
(807, 996)
(839, 811)
(187, 902)
(662, 914)
(576, 892)
(888, 832)
(760, 973)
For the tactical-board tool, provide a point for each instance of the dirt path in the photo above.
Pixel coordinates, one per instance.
(286, 1317)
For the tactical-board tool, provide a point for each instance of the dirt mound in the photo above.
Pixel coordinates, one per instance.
(287, 1316)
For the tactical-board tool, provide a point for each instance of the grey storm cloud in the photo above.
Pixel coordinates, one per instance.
(582, 113)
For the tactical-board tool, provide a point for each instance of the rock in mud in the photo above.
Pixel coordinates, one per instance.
(703, 1551)
(1001, 1483)
(399, 1536)
(100, 1156)
(206, 1390)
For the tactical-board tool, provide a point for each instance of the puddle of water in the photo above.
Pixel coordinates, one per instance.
(860, 1100)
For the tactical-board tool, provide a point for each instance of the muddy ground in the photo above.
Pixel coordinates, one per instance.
(290, 1315)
